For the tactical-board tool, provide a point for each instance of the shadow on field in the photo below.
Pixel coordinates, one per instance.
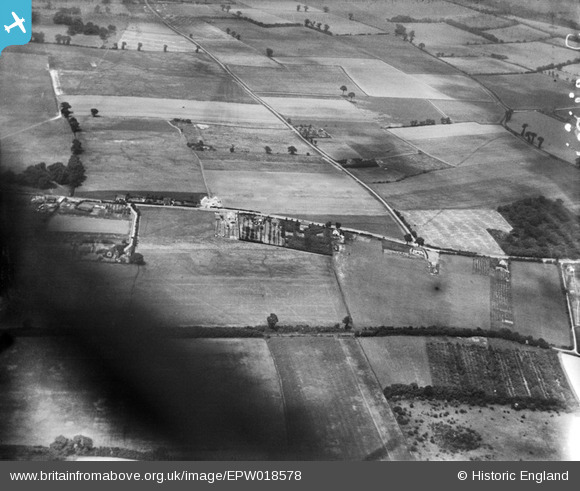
(129, 359)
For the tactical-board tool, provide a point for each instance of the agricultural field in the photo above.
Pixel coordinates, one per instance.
(539, 302)
(83, 71)
(302, 80)
(399, 54)
(530, 55)
(551, 30)
(287, 41)
(470, 111)
(249, 143)
(441, 36)
(290, 192)
(338, 25)
(165, 227)
(51, 388)
(525, 174)
(85, 399)
(367, 139)
(464, 230)
(25, 100)
(376, 78)
(393, 111)
(237, 284)
(392, 290)
(398, 359)
(136, 156)
(529, 91)
(206, 112)
(301, 108)
(518, 33)
(483, 65)
(499, 368)
(154, 37)
(484, 21)
(557, 141)
(456, 86)
(334, 405)
(48, 142)
(375, 12)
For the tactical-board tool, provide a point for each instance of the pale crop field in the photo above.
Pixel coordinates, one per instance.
(446, 131)
(459, 229)
(304, 108)
(154, 37)
(199, 111)
(376, 78)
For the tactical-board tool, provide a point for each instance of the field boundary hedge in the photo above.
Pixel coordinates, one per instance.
(472, 396)
(463, 332)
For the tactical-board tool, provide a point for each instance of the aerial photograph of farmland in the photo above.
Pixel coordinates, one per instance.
(265, 230)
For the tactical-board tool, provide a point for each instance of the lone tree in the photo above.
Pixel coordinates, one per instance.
(268, 149)
(420, 241)
(408, 238)
(123, 44)
(326, 9)
(297, 8)
(347, 321)
(307, 22)
(306, 8)
(326, 27)
(421, 46)
(165, 48)
(94, 112)
(350, 16)
(344, 88)
(139, 46)
(540, 141)
(272, 320)
(269, 52)
(351, 95)
(292, 150)
(411, 36)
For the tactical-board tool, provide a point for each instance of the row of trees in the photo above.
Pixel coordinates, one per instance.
(530, 136)
(317, 25)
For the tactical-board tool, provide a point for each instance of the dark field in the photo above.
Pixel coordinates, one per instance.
(539, 303)
(392, 290)
(125, 155)
(486, 186)
(26, 100)
(334, 408)
(131, 73)
(529, 91)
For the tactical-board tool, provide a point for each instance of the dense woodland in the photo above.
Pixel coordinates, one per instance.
(541, 228)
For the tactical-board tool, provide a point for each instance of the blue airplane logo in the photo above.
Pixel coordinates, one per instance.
(17, 23)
